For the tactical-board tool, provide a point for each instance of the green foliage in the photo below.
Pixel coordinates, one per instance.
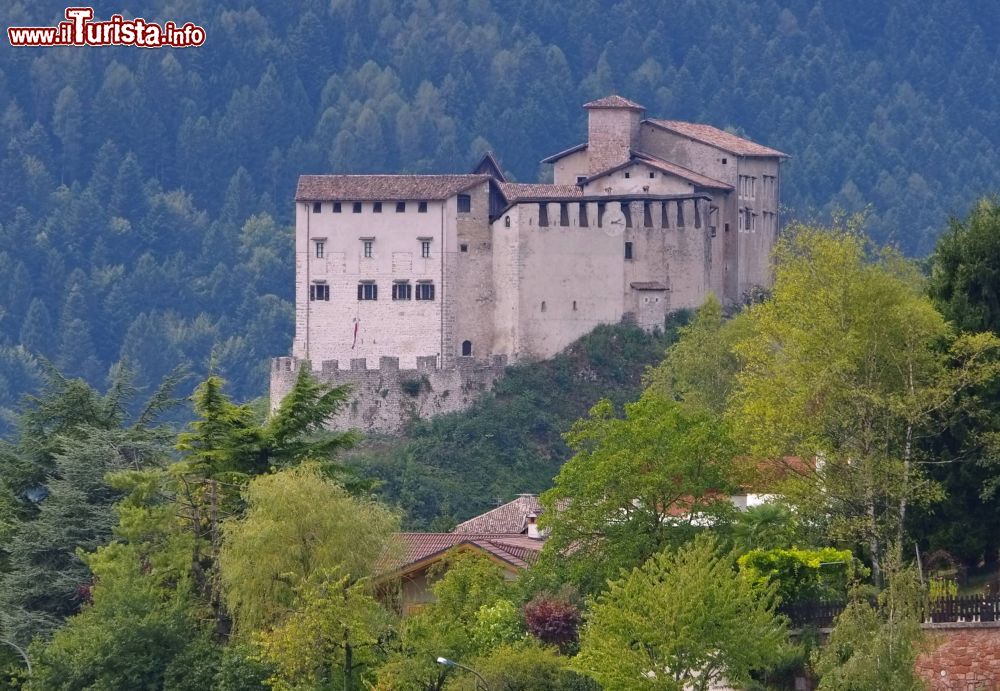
(297, 523)
(801, 574)
(331, 640)
(456, 466)
(635, 485)
(770, 525)
(942, 588)
(471, 610)
(524, 666)
(875, 646)
(681, 621)
(848, 363)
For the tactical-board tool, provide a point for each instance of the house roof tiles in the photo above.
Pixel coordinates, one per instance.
(614, 101)
(383, 187)
(511, 518)
(717, 138)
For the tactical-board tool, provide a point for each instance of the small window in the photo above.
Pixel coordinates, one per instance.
(402, 291)
(574, 305)
(319, 291)
(422, 207)
(425, 291)
(320, 249)
(367, 291)
(377, 207)
(368, 245)
(317, 207)
(543, 305)
(336, 207)
(463, 247)
(628, 250)
(724, 161)
(580, 179)
(466, 348)
(543, 214)
(652, 175)
(425, 248)
(628, 174)
(357, 207)
(506, 221)
(464, 203)
(400, 207)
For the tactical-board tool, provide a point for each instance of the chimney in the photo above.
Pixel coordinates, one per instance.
(533, 531)
(612, 131)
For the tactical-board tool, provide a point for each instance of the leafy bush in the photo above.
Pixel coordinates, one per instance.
(553, 620)
(801, 574)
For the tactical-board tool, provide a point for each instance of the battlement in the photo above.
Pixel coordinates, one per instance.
(384, 399)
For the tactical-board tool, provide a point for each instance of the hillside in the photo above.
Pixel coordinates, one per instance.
(145, 194)
(454, 466)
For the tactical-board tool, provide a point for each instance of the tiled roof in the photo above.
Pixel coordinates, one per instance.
(680, 171)
(518, 191)
(565, 152)
(717, 138)
(647, 285)
(383, 187)
(519, 551)
(510, 518)
(614, 101)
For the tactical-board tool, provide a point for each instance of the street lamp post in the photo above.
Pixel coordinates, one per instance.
(480, 682)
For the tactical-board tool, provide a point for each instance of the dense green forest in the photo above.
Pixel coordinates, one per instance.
(145, 194)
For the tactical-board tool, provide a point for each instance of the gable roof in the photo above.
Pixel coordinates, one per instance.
(383, 187)
(696, 179)
(489, 165)
(565, 152)
(614, 101)
(510, 518)
(720, 139)
(524, 191)
(421, 549)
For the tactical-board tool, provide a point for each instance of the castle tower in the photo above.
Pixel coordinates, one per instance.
(612, 131)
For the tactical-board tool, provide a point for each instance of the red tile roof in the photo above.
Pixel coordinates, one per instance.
(717, 138)
(510, 518)
(519, 191)
(614, 101)
(383, 187)
(519, 551)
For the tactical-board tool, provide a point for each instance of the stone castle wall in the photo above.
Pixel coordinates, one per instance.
(386, 399)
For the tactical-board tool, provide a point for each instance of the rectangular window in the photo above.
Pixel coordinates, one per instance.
(319, 291)
(317, 207)
(320, 249)
(425, 248)
(422, 207)
(580, 179)
(628, 250)
(368, 245)
(357, 207)
(400, 207)
(464, 203)
(627, 174)
(377, 207)
(336, 207)
(652, 175)
(425, 291)
(402, 291)
(463, 247)
(367, 291)
(543, 214)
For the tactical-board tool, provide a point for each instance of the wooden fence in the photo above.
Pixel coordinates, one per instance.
(959, 608)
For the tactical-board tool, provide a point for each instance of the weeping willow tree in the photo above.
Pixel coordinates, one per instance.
(298, 523)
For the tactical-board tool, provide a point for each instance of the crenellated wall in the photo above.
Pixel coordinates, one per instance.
(387, 398)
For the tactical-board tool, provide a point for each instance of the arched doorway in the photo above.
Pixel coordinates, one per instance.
(466, 348)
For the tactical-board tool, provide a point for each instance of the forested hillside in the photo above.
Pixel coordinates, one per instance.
(145, 194)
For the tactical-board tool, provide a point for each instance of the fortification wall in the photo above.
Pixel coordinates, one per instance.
(386, 399)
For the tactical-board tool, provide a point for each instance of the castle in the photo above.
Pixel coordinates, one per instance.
(443, 279)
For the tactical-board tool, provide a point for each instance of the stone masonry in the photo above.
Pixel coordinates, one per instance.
(428, 275)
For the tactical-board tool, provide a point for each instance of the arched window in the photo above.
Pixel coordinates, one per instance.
(506, 221)
(466, 348)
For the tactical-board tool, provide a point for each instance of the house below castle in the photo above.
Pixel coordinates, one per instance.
(432, 274)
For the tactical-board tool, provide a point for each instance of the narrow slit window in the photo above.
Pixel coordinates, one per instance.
(583, 215)
(628, 250)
